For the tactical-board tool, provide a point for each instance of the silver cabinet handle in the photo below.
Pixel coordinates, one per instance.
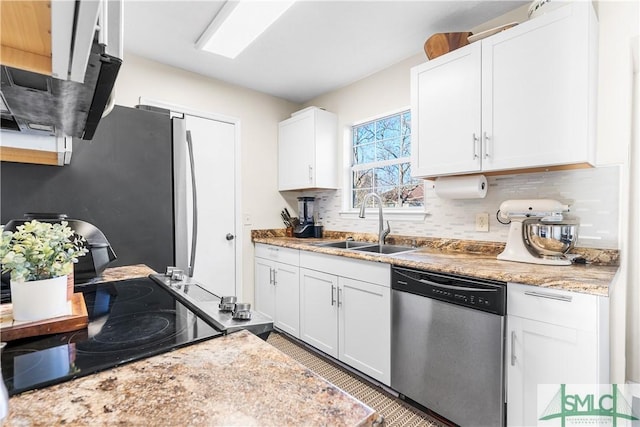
(475, 146)
(310, 173)
(270, 276)
(275, 277)
(333, 295)
(486, 145)
(339, 293)
(513, 348)
(229, 236)
(565, 298)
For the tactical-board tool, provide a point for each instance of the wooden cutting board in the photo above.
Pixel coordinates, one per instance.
(12, 329)
(441, 43)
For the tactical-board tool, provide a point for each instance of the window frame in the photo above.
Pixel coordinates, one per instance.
(417, 213)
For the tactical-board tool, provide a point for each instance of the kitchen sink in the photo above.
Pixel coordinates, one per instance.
(385, 249)
(345, 244)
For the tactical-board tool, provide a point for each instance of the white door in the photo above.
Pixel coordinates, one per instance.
(287, 278)
(296, 149)
(213, 144)
(318, 310)
(365, 327)
(535, 92)
(445, 108)
(265, 291)
(543, 353)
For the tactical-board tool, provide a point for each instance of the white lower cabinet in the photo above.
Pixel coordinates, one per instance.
(345, 311)
(553, 337)
(319, 310)
(365, 327)
(277, 287)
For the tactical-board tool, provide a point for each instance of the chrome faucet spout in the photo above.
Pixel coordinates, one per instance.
(382, 232)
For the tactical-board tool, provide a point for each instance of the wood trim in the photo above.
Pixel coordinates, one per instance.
(23, 155)
(519, 171)
(540, 169)
(25, 60)
(25, 32)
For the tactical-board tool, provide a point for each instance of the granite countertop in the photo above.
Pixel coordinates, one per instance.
(237, 379)
(469, 258)
(122, 273)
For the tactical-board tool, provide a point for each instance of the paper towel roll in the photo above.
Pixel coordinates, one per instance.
(461, 187)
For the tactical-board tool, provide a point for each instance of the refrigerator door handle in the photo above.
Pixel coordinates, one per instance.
(194, 232)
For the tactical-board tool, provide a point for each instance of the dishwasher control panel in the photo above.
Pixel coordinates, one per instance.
(480, 294)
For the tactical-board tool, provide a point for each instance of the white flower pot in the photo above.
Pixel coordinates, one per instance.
(39, 299)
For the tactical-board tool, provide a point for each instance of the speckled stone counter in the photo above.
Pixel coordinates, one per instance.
(474, 259)
(125, 272)
(233, 380)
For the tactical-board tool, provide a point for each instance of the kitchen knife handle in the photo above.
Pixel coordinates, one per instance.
(194, 231)
(333, 295)
(475, 146)
(513, 348)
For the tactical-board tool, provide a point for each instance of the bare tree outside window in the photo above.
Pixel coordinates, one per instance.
(381, 163)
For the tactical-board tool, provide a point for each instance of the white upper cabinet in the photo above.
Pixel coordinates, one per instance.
(307, 150)
(445, 105)
(523, 98)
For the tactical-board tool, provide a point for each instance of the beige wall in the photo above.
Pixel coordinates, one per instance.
(259, 115)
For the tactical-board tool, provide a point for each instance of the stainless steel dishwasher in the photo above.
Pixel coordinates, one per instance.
(447, 345)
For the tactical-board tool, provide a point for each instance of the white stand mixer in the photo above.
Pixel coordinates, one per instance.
(518, 248)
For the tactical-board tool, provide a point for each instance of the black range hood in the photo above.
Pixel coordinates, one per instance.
(40, 104)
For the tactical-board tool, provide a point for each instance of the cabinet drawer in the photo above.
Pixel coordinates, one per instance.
(564, 308)
(366, 271)
(276, 253)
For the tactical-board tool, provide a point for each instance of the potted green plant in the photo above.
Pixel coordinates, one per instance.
(39, 255)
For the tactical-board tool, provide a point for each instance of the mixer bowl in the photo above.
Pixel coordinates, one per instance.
(549, 239)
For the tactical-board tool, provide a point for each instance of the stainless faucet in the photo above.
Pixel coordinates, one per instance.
(382, 232)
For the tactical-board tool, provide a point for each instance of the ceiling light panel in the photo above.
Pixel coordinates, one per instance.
(238, 24)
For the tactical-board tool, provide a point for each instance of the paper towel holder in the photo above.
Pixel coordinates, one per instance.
(461, 187)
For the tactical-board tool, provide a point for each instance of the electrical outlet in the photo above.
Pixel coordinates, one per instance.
(482, 221)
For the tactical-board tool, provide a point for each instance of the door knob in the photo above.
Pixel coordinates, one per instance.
(230, 236)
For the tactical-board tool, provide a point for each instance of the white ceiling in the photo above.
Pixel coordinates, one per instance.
(314, 48)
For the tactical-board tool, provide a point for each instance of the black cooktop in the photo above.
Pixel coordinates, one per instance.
(128, 320)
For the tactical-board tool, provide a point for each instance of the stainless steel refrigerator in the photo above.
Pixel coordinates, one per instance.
(121, 182)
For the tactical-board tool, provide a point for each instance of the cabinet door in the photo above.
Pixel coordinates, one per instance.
(265, 293)
(365, 327)
(296, 152)
(543, 353)
(319, 310)
(287, 299)
(445, 108)
(537, 91)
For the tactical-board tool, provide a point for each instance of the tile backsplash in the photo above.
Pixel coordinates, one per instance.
(593, 195)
